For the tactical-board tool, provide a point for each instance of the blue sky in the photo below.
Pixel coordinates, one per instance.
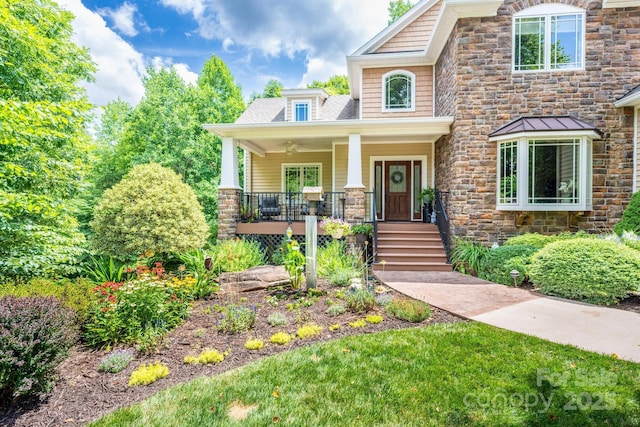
(295, 42)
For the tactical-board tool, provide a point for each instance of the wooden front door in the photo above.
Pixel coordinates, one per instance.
(398, 191)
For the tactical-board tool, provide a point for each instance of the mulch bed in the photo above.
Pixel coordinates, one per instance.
(83, 394)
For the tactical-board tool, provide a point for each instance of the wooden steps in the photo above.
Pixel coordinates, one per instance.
(411, 246)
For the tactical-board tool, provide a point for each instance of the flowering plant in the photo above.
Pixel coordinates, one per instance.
(335, 226)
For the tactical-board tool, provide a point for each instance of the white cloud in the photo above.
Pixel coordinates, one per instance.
(323, 31)
(181, 69)
(123, 18)
(120, 66)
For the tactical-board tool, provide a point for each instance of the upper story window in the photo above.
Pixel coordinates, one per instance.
(549, 37)
(301, 111)
(398, 89)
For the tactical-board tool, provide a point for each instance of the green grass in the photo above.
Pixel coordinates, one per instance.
(451, 375)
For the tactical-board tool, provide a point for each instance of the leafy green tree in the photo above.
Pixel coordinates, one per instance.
(336, 85)
(43, 139)
(272, 89)
(397, 8)
(151, 209)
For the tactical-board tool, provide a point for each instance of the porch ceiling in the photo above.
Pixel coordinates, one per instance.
(261, 138)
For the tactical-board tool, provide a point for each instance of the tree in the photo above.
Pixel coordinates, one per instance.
(43, 139)
(272, 89)
(630, 220)
(397, 8)
(151, 209)
(336, 85)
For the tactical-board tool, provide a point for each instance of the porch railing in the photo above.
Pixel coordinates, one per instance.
(288, 206)
(442, 220)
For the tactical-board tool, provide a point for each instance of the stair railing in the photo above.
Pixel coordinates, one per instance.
(442, 220)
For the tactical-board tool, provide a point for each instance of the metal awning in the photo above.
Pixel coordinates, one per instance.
(544, 124)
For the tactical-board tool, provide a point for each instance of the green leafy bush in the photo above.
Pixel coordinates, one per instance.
(138, 311)
(500, 261)
(237, 318)
(591, 270)
(411, 310)
(194, 264)
(467, 257)
(294, 262)
(360, 300)
(630, 220)
(336, 265)
(116, 361)
(236, 255)
(35, 336)
(151, 209)
(74, 294)
(531, 239)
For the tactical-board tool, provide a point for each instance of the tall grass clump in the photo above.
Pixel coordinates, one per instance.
(336, 265)
(468, 257)
(236, 255)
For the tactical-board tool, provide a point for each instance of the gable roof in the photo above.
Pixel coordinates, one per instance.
(270, 110)
(543, 124)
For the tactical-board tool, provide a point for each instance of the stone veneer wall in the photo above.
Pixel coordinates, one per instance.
(475, 84)
(354, 205)
(228, 210)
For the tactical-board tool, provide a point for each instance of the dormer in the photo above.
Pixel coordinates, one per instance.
(303, 105)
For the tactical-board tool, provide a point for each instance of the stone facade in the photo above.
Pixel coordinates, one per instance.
(228, 211)
(354, 205)
(475, 85)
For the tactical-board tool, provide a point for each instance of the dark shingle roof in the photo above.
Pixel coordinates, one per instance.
(268, 110)
(543, 124)
(629, 94)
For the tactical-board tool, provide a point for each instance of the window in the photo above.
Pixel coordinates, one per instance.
(545, 174)
(398, 91)
(298, 176)
(301, 111)
(548, 37)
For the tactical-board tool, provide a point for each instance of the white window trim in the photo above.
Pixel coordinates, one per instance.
(413, 91)
(283, 175)
(548, 10)
(585, 191)
(296, 102)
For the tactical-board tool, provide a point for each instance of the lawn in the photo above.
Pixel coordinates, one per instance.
(444, 374)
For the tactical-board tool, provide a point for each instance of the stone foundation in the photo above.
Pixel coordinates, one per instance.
(228, 212)
(354, 205)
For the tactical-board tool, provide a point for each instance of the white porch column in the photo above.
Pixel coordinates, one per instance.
(229, 165)
(354, 166)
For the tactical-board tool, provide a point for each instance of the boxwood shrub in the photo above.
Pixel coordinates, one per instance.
(630, 220)
(586, 269)
(35, 336)
(500, 261)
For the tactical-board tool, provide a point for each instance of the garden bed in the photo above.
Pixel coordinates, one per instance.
(83, 393)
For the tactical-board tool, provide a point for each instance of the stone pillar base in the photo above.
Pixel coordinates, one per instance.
(228, 212)
(354, 205)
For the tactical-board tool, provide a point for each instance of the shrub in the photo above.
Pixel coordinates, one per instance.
(334, 327)
(335, 264)
(148, 374)
(530, 239)
(237, 318)
(236, 255)
(151, 209)
(335, 310)
(631, 239)
(411, 310)
(254, 344)
(630, 220)
(74, 294)
(116, 361)
(384, 299)
(360, 323)
(591, 270)
(139, 310)
(467, 257)
(193, 263)
(281, 338)
(210, 356)
(35, 336)
(294, 262)
(309, 330)
(374, 318)
(277, 319)
(360, 300)
(500, 261)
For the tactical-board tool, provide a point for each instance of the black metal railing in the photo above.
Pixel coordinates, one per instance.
(374, 220)
(442, 220)
(288, 206)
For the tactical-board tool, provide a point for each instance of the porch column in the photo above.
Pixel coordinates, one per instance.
(354, 204)
(228, 190)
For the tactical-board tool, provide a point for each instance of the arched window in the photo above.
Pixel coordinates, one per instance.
(398, 91)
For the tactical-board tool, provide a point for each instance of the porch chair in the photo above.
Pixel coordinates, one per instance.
(269, 206)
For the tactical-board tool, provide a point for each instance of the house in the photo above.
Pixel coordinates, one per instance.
(523, 114)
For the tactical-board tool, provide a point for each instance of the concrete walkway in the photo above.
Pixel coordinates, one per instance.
(594, 328)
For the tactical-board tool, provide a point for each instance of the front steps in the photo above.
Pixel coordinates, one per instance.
(412, 246)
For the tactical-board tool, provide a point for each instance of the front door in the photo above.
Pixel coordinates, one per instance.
(398, 191)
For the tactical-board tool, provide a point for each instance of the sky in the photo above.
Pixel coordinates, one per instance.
(292, 41)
